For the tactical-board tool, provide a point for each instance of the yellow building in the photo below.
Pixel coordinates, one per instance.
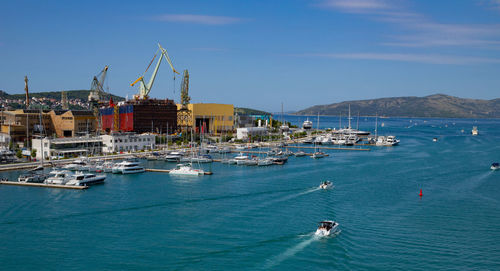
(70, 123)
(14, 123)
(215, 118)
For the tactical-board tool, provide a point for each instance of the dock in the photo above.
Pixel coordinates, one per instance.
(44, 185)
(168, 171)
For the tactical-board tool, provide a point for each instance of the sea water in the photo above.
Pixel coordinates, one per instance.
(259, 218)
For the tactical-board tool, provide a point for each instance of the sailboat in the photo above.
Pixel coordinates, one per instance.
(187, 169)
(317, 154)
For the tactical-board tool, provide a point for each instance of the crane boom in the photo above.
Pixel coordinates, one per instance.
(145, 89)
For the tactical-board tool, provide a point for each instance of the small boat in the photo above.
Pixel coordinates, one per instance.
(76, 165)
(300, 154)
(127, 167)
(265, 162)
(326, 228)
(495, 166)
(85, 179)
(32, 178)
(318, 155)
(435, 139)
(326, 185)
(187, 170)
(474, 131)
(279, 160)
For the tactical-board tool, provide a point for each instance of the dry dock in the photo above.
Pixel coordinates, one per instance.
(44, 185)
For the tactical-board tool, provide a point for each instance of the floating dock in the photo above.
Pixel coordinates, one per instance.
(44, 185)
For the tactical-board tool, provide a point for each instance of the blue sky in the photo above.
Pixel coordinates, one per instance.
(257, 53)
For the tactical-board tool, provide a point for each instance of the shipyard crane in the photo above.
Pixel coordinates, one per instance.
(96, 94)
(145, 89)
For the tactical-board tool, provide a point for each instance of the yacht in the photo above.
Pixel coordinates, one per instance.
(186, 169)
(173, 157)
(300, 154)
(265, 162)
(60, 177)
(307, 124)
(387, 141)
(127, 167)
(326, 228)
(326, 185)
(241, 159)
(85, 179)
(495, 166)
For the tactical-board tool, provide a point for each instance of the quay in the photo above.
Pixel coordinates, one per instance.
(168, 171)
(44, 185)
(329, 148)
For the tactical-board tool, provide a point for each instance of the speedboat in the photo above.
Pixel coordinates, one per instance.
(186, 169)
(32, 178)
(85, 179)
(127, 167)
(474, 131)
(326, 185)
(60, 177)
(326, 228)
(495, 166)
(435, 139)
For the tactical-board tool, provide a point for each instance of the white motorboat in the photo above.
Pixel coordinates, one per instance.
(186, 169)
(241, 159)
(326, 228)
(32, 178)
(387, 141)
(300, 154)
(265, 162)
(434, 139)
(60, 177)
(76, 165)
(173, 157)
(85, 179)
(240, 147)
(495, 166)
(474, 131)
(307, 124)
(127, 167)
(318, 155)
(326, 185)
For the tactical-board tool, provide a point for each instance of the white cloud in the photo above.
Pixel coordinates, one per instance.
(197, 19)
(420, 31)
(418, 58)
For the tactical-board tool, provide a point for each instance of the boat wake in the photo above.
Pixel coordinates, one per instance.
(285, 198)
(290, 252)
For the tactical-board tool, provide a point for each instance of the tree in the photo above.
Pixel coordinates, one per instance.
(19, 153)
(33, 153)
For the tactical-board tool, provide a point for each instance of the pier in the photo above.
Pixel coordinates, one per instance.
(44, 185)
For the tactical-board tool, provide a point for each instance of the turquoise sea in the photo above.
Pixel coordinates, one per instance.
(259, 218)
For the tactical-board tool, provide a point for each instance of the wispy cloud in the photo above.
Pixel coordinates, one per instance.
(419, 30)
(418, 58)
(197, 19)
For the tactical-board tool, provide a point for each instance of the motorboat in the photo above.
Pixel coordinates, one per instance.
(127, 167)
(76, 165)
(434, 139)
(205, 158)
(85, 179)
(241, 159)
(300, 154)
(307, 124)
(387, 141)
(59, 177)
(326, 185)
(173, 157)
(279, 160)
(265, 162)
(32, 177)
(326, 228)
(318, 155)
(240, 147)
(186, 169)
(474, 131)
(495, 166)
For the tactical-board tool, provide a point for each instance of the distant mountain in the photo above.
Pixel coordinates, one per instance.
(249, 111)
(433, 106)
(71, 94)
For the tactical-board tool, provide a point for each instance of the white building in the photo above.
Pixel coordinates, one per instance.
(245, 133)
(67, 147)
(124, 142)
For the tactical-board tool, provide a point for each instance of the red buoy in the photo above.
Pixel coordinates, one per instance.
(420, 193)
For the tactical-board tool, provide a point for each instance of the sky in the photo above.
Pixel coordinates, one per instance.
(257, 54)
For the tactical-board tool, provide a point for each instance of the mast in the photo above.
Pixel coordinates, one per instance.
(349, 116)
(41, 136)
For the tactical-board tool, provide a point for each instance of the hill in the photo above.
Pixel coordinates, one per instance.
(433, 106)
(249, 111)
